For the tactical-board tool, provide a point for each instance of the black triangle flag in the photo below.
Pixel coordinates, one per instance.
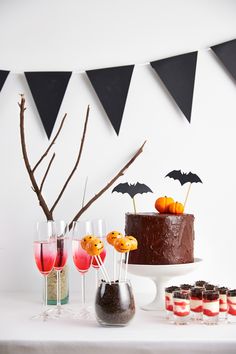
(48, 89)
(178, 75)
(3, 76)
(112, 86)
(226, 52)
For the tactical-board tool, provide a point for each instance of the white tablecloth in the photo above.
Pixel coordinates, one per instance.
(147, 333)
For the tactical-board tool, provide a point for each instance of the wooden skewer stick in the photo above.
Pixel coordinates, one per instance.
(186, 198)
(135, 211)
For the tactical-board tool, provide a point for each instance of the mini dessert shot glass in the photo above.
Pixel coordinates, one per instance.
(211, 306)
(181, 307)
(196, 305)
(223, 303)
(185, 288)
(231, 300)
(169, 301)
(200, 283)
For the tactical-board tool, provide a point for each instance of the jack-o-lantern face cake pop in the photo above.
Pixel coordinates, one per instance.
(94, 247)
(113, 236)
(134, 242)
(85, 240)
(122, 245)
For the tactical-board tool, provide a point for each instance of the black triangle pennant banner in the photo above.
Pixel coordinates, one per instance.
(48, 89)
(178, 75)
(112, 86)
(226, 52)
(3, 76)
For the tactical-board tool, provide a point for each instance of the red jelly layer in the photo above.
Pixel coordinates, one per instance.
(181, 314)
(210, 313)
(180, 303)
(169, 308)
(231, 311)
(231, 302)
(197, 309)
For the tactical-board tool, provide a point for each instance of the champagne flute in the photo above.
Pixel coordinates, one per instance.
(82, 260)
(45, 256)
(99, 230)
(60, 233)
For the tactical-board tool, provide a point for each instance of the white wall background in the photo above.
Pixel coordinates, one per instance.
(77, 35)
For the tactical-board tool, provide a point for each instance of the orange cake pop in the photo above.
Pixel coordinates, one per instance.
(134, 242)
(122, 245)
(113, 236)
(85, 240)
(94, 247)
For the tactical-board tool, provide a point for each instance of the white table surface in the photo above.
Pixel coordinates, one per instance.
(149, 332)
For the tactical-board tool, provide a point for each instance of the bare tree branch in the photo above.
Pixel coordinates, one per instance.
(46, 173)
(76, 164)
(35, 187)
(52, 143)
(119, 174)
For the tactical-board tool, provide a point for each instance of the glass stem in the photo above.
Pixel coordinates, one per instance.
(45, 298)
(83, 289)
(58, 289)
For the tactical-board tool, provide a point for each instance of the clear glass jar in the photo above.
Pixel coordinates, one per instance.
(114, 303)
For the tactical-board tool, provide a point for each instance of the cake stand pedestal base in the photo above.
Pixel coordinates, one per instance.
(161, 274)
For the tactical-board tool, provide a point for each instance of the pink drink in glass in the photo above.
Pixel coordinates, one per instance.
(81, 258)
(62, 254)
(45, 255)
(102, 255)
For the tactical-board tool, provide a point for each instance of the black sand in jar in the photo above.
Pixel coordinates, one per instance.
(114, 303)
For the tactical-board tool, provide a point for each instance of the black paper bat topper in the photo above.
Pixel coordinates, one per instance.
(132, 190)
(184, 178)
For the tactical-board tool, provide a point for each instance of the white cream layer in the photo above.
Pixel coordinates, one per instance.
(212, 306)
(181, 308)
(223, 306)
(232, 302)
(195, 303)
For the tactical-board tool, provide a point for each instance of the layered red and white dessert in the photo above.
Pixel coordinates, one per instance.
(196, 304)
(231, 300)
(223, 298)
(169, 297)
(211, 305)
(181, 305)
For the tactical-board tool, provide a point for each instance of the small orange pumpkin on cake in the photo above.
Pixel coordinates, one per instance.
(167, 205)
(176, 208)
(162, 204)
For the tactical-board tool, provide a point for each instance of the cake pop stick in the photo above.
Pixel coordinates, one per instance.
(103, 267)
(94, 248)
(122, 245)
(111, 238)
(134, 246)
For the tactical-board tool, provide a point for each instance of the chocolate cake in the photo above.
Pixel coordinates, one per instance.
(162, 238)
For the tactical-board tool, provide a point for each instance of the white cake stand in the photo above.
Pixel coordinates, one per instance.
(161, 274)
